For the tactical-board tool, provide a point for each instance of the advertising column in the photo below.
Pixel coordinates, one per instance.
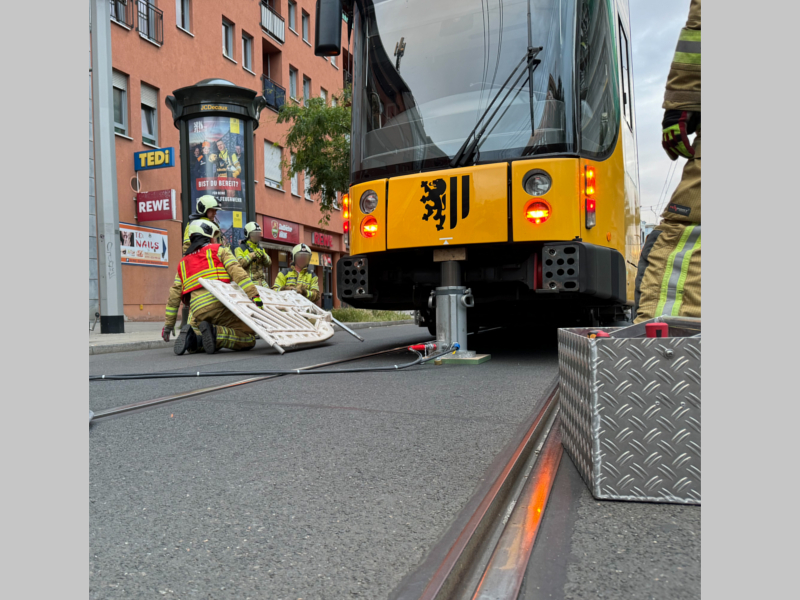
(219, 168)
(216, 120)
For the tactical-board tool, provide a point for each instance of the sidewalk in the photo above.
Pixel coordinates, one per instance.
(147, 336)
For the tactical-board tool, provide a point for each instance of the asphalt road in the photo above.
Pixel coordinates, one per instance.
(606, 549)
(324, 486)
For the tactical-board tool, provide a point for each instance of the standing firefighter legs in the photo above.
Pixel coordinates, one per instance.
(230, 332)
(668, 282)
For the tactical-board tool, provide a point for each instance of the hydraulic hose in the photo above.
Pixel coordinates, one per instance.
(301, 371)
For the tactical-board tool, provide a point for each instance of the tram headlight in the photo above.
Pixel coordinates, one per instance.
(537, 182)
(369, 201)
(537, 212)
(369, 227)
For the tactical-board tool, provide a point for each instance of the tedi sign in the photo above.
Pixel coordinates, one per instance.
(155, 206)
(154, 159)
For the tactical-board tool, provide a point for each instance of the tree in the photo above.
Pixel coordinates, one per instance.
(319, 138)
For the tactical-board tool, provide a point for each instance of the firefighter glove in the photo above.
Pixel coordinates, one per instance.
(165, 334)
(677, 125)
(257, 301)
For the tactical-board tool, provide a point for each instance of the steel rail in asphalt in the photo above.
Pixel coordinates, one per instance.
(101, 414)
(506, 569)
(461, 555)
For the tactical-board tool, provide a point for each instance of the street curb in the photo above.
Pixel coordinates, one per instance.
(127, 347)
(156, 344)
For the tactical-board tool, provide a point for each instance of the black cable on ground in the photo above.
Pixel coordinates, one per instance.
(301, 371)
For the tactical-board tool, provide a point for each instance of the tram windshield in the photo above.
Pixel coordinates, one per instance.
(426, 71)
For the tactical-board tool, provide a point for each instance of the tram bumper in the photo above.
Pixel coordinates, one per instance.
(587, 269)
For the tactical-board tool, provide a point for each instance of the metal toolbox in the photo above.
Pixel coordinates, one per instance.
(630, 410)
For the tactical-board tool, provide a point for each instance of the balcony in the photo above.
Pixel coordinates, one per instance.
(151, 22)
(274, 94)
(273, 23)
(122, 12)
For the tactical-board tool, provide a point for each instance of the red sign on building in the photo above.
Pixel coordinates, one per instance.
(155, 206)
(322, 239)
(284, 232)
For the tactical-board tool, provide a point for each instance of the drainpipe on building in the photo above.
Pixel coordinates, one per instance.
(112, 318)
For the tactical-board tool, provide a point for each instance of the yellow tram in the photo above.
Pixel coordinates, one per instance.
(456, 155)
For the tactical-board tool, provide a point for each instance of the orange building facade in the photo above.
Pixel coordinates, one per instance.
(158, 47)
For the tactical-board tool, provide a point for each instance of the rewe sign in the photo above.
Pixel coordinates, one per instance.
(155, 206)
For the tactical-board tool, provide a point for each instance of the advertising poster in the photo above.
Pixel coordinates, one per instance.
(143, 246)
(217, 168)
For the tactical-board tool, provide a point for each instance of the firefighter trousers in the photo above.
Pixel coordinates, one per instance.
(668, 277)
(231, 332)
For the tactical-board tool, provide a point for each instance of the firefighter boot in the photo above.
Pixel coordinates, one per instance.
(209, 335)
(186, 341)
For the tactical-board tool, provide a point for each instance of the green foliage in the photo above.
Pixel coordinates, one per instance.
(319, 137)
(359, 315)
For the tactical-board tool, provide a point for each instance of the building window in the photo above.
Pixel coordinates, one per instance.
(333, 60)
(293, 83)
(305, 26)
(227, 39)
(333, 101)
(149, 114)
(292, 16)
(151, 22)
(121, 12)
(336, 203)
(247, 52)
(306, 88)
(323, 93)
(120, 83)
(307, 186)
(273, 176)
(183, 14)
(294, 181)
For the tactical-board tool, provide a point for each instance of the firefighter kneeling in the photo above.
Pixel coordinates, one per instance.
(210, 321)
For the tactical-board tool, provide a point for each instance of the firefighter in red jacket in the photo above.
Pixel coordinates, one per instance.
(211, 322)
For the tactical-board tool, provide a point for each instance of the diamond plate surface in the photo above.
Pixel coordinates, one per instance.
(630, 413)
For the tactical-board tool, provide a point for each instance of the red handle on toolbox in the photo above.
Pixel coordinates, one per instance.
(657, 330)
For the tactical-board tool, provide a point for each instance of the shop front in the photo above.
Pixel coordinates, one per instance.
(327, 248)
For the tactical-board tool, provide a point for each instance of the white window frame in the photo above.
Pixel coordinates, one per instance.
(293, 83)
(306, 186)
(306, 25)
(306, 94)
(293, 16)
(184, 7)
(323, 93)
(272, 168)
(294, 182)
(227, 38)
(247, 52)
(149, 103)
(120, 82)
(333, 61)
(336, 201)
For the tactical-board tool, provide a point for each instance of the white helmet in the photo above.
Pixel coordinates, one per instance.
(252, 227)
(206, 203)
(300, 249)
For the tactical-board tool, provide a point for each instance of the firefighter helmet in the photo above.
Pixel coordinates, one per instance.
(204, 228)
(252, 227)
(206, 203)
(300, 249)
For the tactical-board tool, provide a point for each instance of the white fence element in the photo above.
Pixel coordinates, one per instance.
(287, 319)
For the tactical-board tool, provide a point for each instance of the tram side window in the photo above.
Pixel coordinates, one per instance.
(625, 61)
(599, 111)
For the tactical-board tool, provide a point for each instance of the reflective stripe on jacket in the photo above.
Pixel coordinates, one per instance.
(255, 265)
(683, 81)
(218, 262)
(293, 279)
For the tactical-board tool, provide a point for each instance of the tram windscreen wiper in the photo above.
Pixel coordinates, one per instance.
(468, 149)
